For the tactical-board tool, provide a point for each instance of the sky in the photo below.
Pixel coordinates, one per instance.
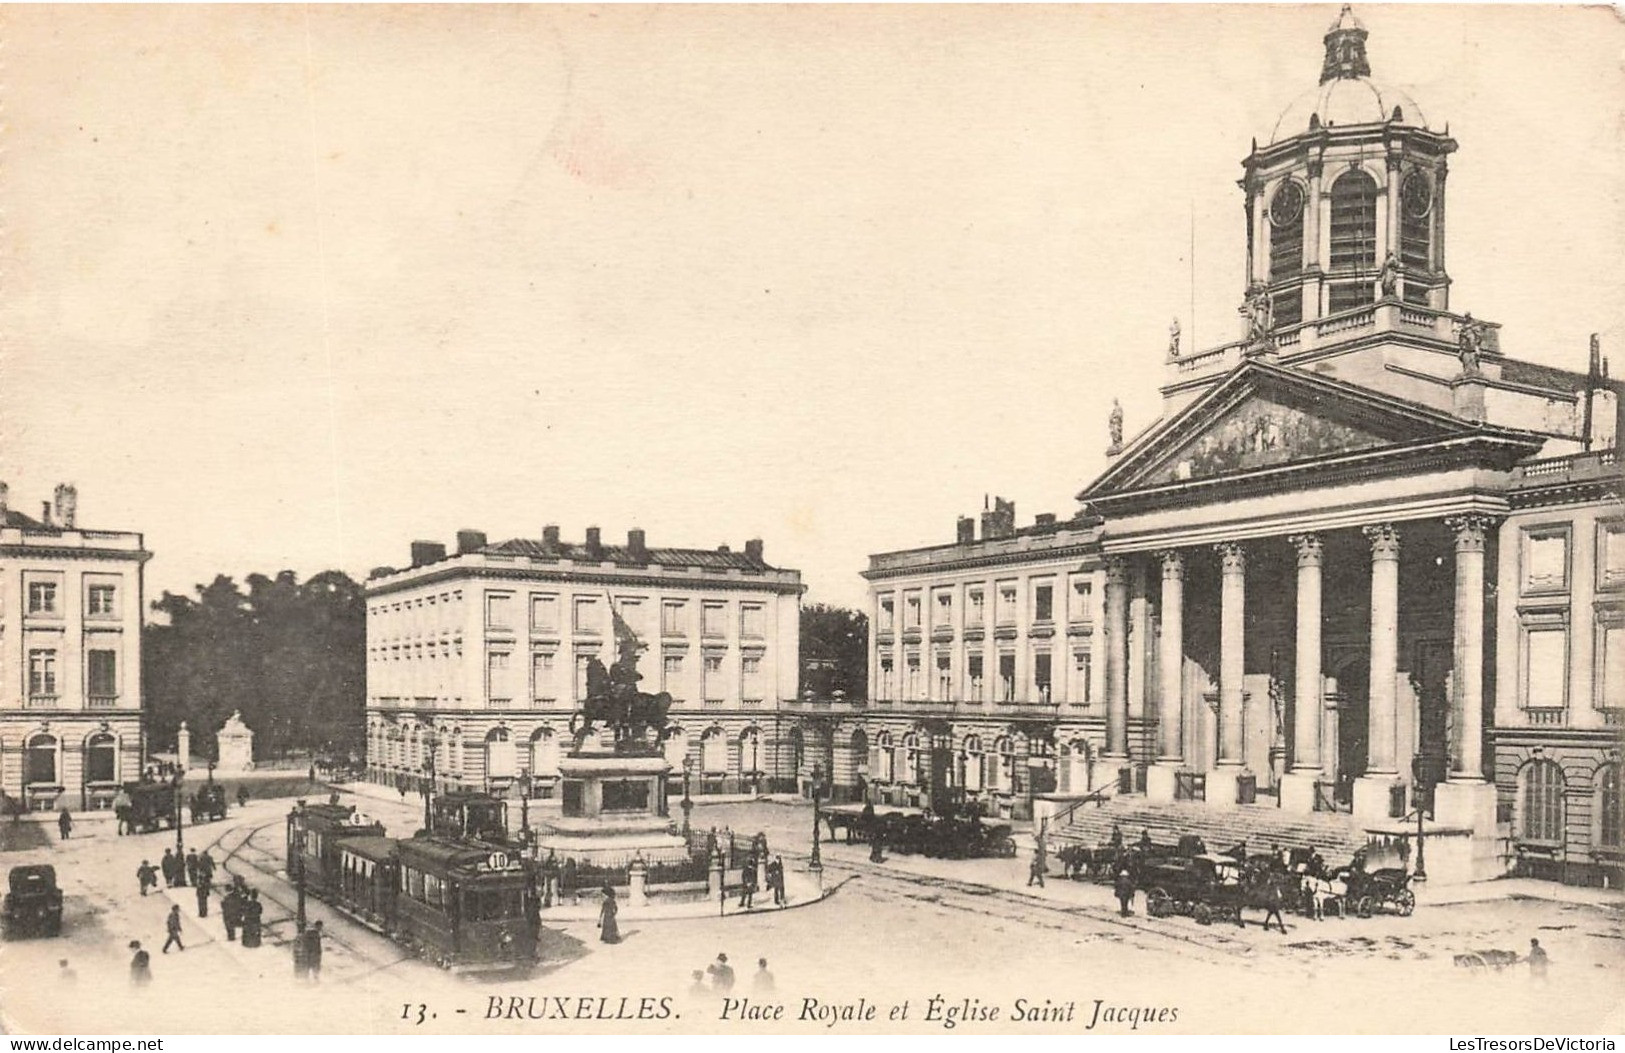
(291, 287)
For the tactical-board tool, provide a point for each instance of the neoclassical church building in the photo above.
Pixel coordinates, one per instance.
(1366, 564)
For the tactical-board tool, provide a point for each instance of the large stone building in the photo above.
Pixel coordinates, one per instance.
(1364, 560)
(70, 657)
(477, 659)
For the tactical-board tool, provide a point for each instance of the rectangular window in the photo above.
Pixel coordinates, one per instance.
(1082, 595)
(1546, 559)
(912, 670)
(1610, 662)
(974, 605)
(1611, 555)
(973, 677)
(1042, 682)
(588, 618)
(887, 678)
(42, 597)
(582, 661)
(544, 614)
(42, 673)
(911, 611)
(1545, 668)
(674, 618)
(634, 614)
(752, 620)
(498, 611)
(714, 619)
(945, 677)
(715, 689)
(543, 688)
(1007, 678)
(750, 678)
(888, 614)
(1005, 613)
(1044, 603)
(671, 670)
(496, 675)
(942, 611)
(101, 669)
(101, 601)
(1082, 687)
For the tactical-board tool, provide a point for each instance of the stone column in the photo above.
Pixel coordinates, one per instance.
(1159, 778)
(1466, 799)
(1298, 786)
(1116, 633)
(1382, 728)
(1221, 782)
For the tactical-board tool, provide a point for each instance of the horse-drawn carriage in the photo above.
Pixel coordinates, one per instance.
(1208, 888)
(917, 833)
(1379, 891)
(208, 803)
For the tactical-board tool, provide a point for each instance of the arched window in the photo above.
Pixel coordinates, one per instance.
(1004, 764)
(101, 758)
(1080, 765)
(1542, 801)
(1286, 231)
(1354, 221)
(882, 761)
(676, 746)
(714, 752)
(975, 763)
(500, 761)
(395, 755)
(909, 761)
(39, 764)
(1610, 816)
(798, 751)
(860, 752)
(750, 751)
(544, 753)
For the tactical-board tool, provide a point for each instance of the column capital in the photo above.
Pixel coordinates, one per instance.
(1173, 564)
(1310, 549)
(1384, 538)
(1232, 556)
(1470, 530)
(1117, 571)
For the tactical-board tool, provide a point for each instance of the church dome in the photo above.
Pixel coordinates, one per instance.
(1343, 101)
(1346, 95)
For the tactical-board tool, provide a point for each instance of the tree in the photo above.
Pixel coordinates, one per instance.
(834, 651)
(290, 657)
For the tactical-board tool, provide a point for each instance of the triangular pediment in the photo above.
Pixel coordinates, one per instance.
(1264, 416)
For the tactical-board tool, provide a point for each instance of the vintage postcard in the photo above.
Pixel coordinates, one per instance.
(849, 520)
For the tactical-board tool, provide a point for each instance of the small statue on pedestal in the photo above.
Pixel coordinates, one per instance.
(1470, 344)
(1388, 279)
(1173, 341)
(1260, 315)
(1114, 429)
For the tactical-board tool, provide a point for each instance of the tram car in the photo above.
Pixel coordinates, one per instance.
(471, 816)
(315, 832)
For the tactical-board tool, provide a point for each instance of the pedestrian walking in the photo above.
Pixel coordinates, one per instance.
(170, 867)
(174, 927)
(231, 912)
(722, 974)
(775, 880)
(191, 866)
(1538, 961)
(202, 900)
(252, 910)
(140, 965)
(205, 869)
(313, 951)
(762, 982)
(147, 876)
(1035, 873)
(609, 931)
(64, 823)
(1124, 887)
(242, 796)
(876, 848)
(1273, 902)
(121, 810)
(747, 883)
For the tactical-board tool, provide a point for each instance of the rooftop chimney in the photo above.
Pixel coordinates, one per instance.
(427, 552)
(724, 549)
(1045, 519)
(5, 493)
(753, 550)
(1001, 522)
(595, 545)
(67, 505)
(967, 530)
(45, 512)
(636, 545)
(550, 539)
(470, 541)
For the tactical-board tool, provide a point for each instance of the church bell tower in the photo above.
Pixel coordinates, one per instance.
(1345, 203)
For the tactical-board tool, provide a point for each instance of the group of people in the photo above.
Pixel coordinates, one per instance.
(718, 978)
(192, 869)
(240, 907)
(749, 884)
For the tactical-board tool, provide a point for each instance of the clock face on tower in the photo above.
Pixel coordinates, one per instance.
(1287, 204)
(1416, 195)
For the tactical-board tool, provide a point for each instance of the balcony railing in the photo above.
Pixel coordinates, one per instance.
(1547, 717)
(102, 701)
(41, 702)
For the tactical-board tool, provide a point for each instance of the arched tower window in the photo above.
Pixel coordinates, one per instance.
(1416, 206)
(1353, 237)
(1543, 801)
(101, 758)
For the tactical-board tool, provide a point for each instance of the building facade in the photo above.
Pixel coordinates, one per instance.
(477, 660)
(71, 601)
(1365, 561)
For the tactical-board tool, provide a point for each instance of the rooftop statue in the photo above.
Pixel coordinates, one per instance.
(614, 701)
(1260, 315)
(1470, 344)
(1114, 427)
(1389, 278)
(1173, 339)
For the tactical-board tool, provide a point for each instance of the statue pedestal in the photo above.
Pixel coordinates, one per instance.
(236, 742)
(613, 809)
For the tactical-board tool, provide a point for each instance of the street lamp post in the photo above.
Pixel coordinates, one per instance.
(524, 805)
(180, 846)
(817, 786)
(1421, 872)
(296, 844)
(430, 742)
(688, 802)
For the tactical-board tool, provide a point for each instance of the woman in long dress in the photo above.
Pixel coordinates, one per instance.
(251, 919)
(608, 930)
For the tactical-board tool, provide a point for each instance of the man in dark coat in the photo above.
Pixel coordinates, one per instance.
(173, 925)
(747, 882)
(191, 866)
(202, 900)
(231, 912)
(64, 823)
(1124, 887)
(147, 875)
(251, 919)
(313, 951)
(205, 870)
(140, 965)
(169, 867)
